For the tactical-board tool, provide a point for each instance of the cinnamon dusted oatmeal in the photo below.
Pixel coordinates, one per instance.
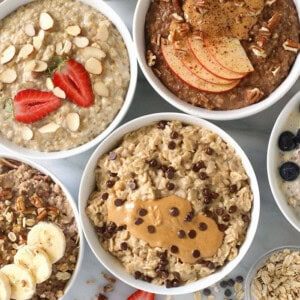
(54, 32)
(200, 45)
(29, 201)
(175, 187)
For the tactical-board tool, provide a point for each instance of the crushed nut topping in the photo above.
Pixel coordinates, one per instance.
(253, 95)
(291, 46)
(258, 51)
(151, 58)
(274, 20)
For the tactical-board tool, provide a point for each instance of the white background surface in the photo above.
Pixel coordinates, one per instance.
(251, 133)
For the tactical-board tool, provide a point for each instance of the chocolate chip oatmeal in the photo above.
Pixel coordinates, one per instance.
(172, 203)
(31, 204)
(221, 55)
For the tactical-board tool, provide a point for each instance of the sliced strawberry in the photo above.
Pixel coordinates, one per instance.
(75, 81)
(141, 295)
(33, 105)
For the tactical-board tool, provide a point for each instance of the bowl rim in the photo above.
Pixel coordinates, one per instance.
(7, 7)
(225, 115)
(87, 186)
(259, 263)
(71, 201)
(273, 150)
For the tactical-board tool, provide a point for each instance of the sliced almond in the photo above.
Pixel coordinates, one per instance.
(25, 51)
(40, 66)
(27, 133)
(49, 84)
(73, 121)
(29, 29)
(30, 65)
(67, 47)
(48, 53)
(93, 52)
(59, 48)
(8, 76)
(38, 40)
(49, 128)
(93, 66)
(101, 89)
(8, 54)
(81, 41)
(58, 92)
(73, 30)
(46, 21)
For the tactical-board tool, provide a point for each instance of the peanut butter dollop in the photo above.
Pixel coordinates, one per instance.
(167, 223)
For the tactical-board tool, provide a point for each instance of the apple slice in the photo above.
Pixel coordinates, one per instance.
(208, 62)
(184, 74)
(229, 53)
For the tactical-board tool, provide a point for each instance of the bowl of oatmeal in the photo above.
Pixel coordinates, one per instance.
(217, 60)
(283, 161)
(66, 76)
(275, 275)
(41, 241)
(158, 186)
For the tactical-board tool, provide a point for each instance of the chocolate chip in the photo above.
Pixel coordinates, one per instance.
(175, 282)
(196, 253)
(230, 282)
(232, 209)
(227, 293)
(189, 217)
(163, 255)
(119, 202)
(245, 218)
(208, 213)
(164, 274)
(219, 211)
(137, 274)
(164, 168)
(163, 262)
(168, 283)
(112, 155)
(105, 196)
(147, 278)
(138, 221)
(122, 227)
(174, 249)
(151, 229)
(162, 124)
(203, 226)
(124, 246)
(170, 186)
(226, 218)
(172, 145)
(192, 234)
(174, 211)
(198, 166)
(209, 151)
(110, 183)
(222, 227)
(153, 163)
(233, 188)
(203, 175)
(214, 195)
(133, 185)
(170, 173)
(206, 292)
(239, 279)
(206, 192)
(223, 284)
(181, 234)
(143, 212)
(113, 174)
(174, 135)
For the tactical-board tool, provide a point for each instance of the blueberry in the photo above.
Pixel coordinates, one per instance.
(289, 171)
(287, 141)
(227, 293)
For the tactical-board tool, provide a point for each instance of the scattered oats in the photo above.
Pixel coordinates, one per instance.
(101, 89)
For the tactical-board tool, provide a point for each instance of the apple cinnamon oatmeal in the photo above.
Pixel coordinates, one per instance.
(38, 237)
(172, 203)
(221, 55)
(64, 74)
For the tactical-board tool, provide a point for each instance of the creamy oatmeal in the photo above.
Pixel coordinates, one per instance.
(49, 33)
(30, 199)
(172, 203)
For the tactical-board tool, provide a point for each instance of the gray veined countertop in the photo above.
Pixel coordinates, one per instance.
(251, 133)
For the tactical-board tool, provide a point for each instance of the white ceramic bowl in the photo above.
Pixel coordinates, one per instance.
(75, 211)
(259, 263)
(87, 185)
(9, 6)
(273, 161)
(139, 41)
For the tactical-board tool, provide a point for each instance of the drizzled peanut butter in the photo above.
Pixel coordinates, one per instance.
(163, 223)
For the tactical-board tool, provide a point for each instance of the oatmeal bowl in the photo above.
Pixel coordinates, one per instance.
(40, 238)
(275, 275)
(283, 161)
(66, 76)
(169, 203)
(219, 60)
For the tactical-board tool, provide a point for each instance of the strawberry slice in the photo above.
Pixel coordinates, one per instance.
(33, 105)
(141, 295)
(72, 77)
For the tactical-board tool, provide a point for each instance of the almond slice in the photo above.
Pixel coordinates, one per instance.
(58, 92)
(73, 121)
(93, 66)
(29, 29)
(102, 32)
(25, 51)
(93, 52)
(73, 30)
(81, 41)
(49, 128)
(8, 76)
(59, 48)
(67, 47)
(40, 66)
(27, 133)
(30, 65)
(49, 84)
(46, 21)
(8, 54)
(101, 89)
(38, 40)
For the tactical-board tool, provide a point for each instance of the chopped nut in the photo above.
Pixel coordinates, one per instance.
(253, 95)
(8, 76)
(53, 211)
(73, 30)
(101, 89)
(275, 71)
(73, 121)
(93, 66)
(36, 201)
(81, 41)
(273, 22)
(177, 17)
(58, 92)
(30, 222)
(155, 39)
(42, 215)
(25, 51)
(290, 45)
(12, 236)
(151, 58)
(63, 275)
(258, 51)
(5, 194)
(49, 128)
(46, 21)
(27, 133)
(8, 54)
(29, 30)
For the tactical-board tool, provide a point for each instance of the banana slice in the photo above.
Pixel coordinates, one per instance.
(50, 238)
(5, 289)
(36, 260)
(21, 281)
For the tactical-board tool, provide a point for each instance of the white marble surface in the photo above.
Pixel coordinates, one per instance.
(251, 133)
